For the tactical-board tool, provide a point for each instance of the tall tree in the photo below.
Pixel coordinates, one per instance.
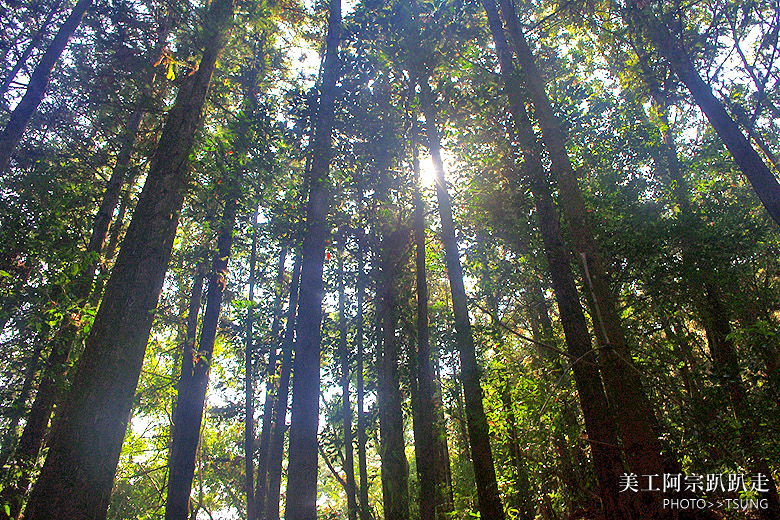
(249, 383)
(76, 479)
(271, 389)
(279, 417)
(634, 412)
(426, 433)
(395, 468)
(346, 407)
(671, 46)
(595, 408)
(195, 368)
(301, 501)
(39, 81)
(485, 474)
(365, 511)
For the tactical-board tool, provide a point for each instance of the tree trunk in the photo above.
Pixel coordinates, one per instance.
(485, 474)
(191, 334)
(301, 501)
(77, 477)
(39, 81)
(194, 378)
(424, 439)
(30, 443)
(365, 510)
(349, 464)
(249, 380)
(395, 469)
(599, 423)
(445, 497)
(271, 390)
(279, 422)
(762, 179)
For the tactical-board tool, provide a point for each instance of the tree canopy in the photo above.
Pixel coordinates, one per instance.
(424, 259)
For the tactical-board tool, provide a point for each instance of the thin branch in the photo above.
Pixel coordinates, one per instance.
(519, 334)
(330, 466)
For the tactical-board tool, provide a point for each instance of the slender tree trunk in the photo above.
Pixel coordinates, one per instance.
(30, 443)
(485, 474)
(365, 510)
(424, 441)
(194, 378)
(445, 497)
(301, 501)
(39, 81)
(18, 409)
(115, 183)
(191, 334)
(276, 447)
(599, 423)
(115, 230)
(349, 464)
(271, 389)
(249, 381)
(77, 477)
(759, 175)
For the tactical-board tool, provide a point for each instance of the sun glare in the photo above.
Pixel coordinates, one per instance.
(427, 174)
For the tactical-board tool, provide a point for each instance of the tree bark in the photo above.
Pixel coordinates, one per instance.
(425, 433)
(349, 464)
(39, 81)
(365, 510)
(249, 380)
(190, 334)
(301, 501)
(77, 477)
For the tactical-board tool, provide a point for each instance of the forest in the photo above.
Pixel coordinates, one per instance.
(389, 260)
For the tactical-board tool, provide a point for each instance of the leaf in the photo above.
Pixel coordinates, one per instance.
(171, 76)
